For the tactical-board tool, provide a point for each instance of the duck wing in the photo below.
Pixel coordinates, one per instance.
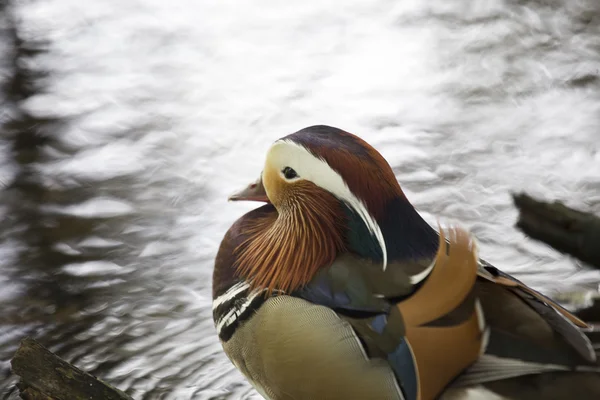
(529, 333)
(419, 315)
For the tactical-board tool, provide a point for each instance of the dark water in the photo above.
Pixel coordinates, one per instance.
(125, 124)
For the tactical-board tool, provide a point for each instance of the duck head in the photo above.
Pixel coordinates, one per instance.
(332, 192)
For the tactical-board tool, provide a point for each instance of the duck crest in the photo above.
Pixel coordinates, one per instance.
(365, 171)
(284, 250)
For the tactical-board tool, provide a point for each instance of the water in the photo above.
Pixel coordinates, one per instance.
(125, 125)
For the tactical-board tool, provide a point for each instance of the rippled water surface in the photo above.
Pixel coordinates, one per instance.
(125, 125)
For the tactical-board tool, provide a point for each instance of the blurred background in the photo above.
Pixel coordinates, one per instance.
(124, 125)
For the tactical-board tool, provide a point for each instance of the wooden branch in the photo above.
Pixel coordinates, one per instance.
(45, 376)
(567, 230)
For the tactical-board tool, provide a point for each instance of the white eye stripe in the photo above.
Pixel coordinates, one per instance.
(285, 153)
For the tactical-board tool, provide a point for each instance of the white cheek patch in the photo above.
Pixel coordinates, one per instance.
(285, 153)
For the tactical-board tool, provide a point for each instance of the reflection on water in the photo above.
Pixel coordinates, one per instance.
(124, 126)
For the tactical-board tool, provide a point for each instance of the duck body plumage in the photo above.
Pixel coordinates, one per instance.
(316, 336)
(436, 322)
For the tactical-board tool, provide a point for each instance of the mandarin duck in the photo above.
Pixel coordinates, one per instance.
(337, 288)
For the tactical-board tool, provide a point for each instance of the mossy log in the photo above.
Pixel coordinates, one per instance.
(45, 376)
(568, 230)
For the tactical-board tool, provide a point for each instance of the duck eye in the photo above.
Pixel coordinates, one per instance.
(289, 173)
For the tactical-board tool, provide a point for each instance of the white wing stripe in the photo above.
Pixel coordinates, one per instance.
(230, 294)
(235, 312)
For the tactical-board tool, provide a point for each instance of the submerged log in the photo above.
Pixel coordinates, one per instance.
(45, 376)
(568, 230)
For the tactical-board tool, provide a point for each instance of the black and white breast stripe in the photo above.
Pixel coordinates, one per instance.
(233, 307)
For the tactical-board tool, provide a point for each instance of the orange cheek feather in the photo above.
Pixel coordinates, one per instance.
(284, 251)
